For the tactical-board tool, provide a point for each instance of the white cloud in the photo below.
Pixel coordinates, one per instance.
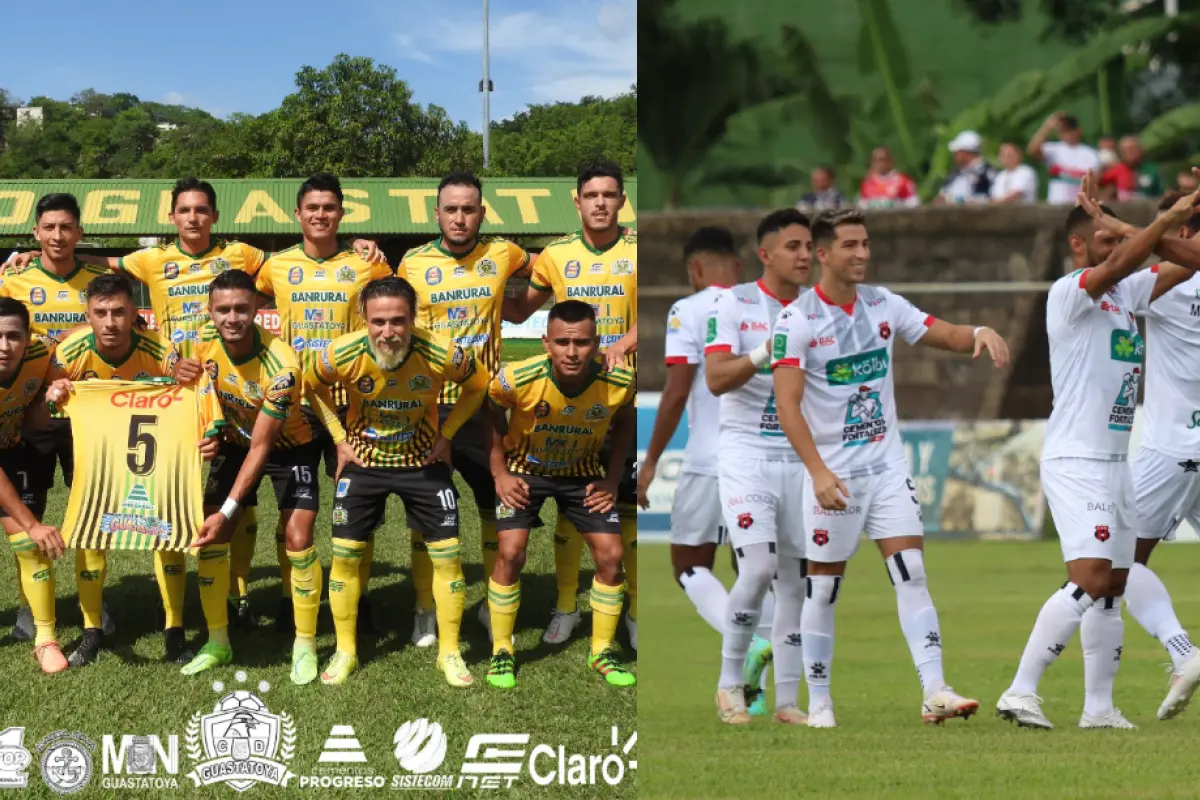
(406, 46)
(174, 99)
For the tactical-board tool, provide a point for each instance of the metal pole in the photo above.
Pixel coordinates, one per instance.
(486, 87)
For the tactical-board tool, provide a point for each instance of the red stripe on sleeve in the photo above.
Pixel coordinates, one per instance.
(1154, 269)
(676, 360)
(786, 362)
(929, 320)
(1083, 278)
(718, 348)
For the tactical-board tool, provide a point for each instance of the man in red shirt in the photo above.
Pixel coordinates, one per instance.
(885, 186)
(1131, 179)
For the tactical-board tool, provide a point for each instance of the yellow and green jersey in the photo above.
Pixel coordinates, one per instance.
(178, 280)
(56, 303)
(459, 297)
(22, 388)
(76, 358)
(551, 432)
(268, 380)
(392, 419)
(317, 298)
(572, 269)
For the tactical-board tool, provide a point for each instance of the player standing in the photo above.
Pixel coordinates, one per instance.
(835, 390)
(110, 349)
(460, 279)
(24, 364)
(561, 406)
(316, 285)
(758, 474)
(598, 265)
(1095, 369)
(258, 381)
(393, 443)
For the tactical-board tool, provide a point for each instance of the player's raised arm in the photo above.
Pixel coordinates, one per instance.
(724, 369)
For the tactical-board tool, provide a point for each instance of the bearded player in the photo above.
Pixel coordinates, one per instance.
(597, 265)
(460, 279)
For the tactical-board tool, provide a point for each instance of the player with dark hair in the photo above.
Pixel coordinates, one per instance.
(559, 409)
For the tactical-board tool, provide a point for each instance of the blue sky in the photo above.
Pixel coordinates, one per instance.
(228, 56)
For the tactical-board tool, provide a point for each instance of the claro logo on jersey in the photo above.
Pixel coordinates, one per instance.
(861, 368)
(140, 400)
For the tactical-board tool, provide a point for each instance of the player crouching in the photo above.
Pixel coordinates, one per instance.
(561, 405)
(391, 444)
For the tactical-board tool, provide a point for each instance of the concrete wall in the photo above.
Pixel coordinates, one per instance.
(954, 245)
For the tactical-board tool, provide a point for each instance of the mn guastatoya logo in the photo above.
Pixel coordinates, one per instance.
(241, 742)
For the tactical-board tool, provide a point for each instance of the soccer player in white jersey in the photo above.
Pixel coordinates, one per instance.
(697, 526)
(834, 387)
(1166, 480)
(1095, 368)
(757, 471)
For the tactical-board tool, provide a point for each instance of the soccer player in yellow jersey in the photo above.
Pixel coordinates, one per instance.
(24, 363)
(109, 348)
(259, 382)
(560, 407)
(393, 444)
(460, 281)
(598, 265)
(316, 286)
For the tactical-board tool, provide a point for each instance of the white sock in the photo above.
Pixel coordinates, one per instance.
(816, 625)
(756, 570)
(1056, 624)
(707, 594)
(1150, 605)
(790, 588)
(1101, 635)
(766, 624)
(918, 617)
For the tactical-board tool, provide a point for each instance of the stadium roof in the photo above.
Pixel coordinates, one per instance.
(264, 206)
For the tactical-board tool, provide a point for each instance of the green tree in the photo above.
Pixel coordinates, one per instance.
(555, 139)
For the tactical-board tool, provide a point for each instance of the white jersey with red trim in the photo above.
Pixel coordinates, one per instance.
(1172, 406)
(739, 320)
(685, 345)
(1095, 367)
(846, 354)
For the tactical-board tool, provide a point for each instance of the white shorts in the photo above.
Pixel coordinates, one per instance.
(1093, 508)
(884, 505)
(696, 512)
(762, 504)
(1166, 492)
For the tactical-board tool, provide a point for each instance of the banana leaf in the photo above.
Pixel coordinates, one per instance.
(1166, 133)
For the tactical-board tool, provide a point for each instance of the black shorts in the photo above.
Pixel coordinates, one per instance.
(50, 446)
(17, 463)
(469, 453)
(293, 473)
(428, 494)
(568, 493)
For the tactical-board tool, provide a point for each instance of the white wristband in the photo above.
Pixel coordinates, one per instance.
(229, 507)
(977, 330)
(761, 354)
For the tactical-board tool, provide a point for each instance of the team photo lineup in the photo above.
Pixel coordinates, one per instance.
(389, 385)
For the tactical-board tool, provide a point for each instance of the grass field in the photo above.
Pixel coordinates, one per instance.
(129, 691)
(988, 595)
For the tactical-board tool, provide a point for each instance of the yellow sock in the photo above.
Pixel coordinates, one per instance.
(285, 566)
(489, 544)
(606, 613)
(36, 583)
(91, 568)
(422, 571)
(213, 572)
(241, 552)
(170, 568)
(503, 602)
(345, 587)
(449, 592)
(22, 600)
(629, 544)
(306, 590)
(364, 564)
(568, 555)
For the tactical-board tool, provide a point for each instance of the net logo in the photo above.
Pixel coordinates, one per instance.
(496, 760)
(132, 762)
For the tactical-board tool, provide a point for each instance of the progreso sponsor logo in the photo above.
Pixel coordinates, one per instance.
(861, 368)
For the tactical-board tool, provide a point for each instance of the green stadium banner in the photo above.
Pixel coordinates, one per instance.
(265, 206)
(928, 446)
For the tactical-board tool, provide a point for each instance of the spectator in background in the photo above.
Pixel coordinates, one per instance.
(1106, 148)
(885, 186)
(1131, 179)
(1017, 182)
(971, 181)
(1067, 160)
(824, 195)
